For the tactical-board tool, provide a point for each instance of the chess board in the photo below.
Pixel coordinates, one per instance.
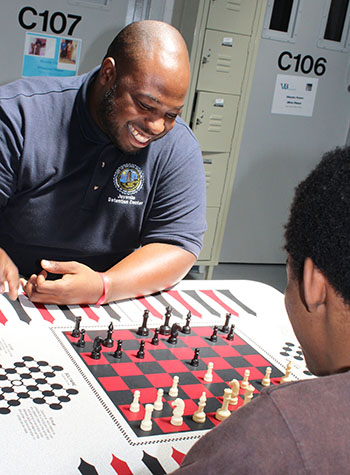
(119, 378)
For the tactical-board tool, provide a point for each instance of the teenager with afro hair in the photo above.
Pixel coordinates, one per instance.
(301, 427)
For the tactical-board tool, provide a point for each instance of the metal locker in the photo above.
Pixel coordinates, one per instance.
(214, 121)
(212, 218)
(215, 166)
(223, 62)
(232, 15)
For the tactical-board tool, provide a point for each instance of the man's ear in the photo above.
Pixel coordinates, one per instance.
(108, 73)
(314, 286)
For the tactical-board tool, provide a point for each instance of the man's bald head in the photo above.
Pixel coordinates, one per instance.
(143, 41)
(141, 86)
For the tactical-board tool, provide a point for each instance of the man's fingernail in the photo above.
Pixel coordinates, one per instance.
(2, 288)
(46, 263)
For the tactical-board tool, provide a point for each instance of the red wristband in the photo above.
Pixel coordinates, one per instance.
(106, 285)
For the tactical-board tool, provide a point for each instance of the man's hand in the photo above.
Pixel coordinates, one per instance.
(79, 284)
(149, 269)
(9, 274)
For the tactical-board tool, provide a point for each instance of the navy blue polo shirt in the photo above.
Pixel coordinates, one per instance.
(67, 193)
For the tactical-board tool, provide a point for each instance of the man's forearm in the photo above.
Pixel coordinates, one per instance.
(149, 269)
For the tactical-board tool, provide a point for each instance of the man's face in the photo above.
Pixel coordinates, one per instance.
(307, 327)
(141, 107)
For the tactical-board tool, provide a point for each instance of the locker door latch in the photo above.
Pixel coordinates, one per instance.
(205, 58)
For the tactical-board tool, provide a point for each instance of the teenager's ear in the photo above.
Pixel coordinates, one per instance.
(314, 286)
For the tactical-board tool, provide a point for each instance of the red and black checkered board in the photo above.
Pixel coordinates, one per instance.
(121, 377)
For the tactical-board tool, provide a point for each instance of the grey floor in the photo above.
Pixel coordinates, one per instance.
(271, 274)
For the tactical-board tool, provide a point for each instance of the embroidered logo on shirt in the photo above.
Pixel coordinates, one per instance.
(128, 179)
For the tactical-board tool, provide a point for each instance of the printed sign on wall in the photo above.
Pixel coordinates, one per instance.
(294, 95)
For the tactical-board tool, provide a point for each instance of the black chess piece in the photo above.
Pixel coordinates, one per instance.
(118, 352)
(141, 353)
(225, 328)
(155, 339)
(231, 334)
(108, 341)
(214, 336)
(143, 330)
(165, 328)
(186, 329)
(96, 349)
(76, 330)
(174, 334)
(81, 342)
(195, 359)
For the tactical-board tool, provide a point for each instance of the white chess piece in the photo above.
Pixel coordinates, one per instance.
(179, 405)
(245, 381)
(266, 380)
(146, 423)
(199, 415)
(173, 391)
(248, 395)
(135, 405)
(223, 412)
(234, 385)
(286, 378)
(158, 403)
(208, 377)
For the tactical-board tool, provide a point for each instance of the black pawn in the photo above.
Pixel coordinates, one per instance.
(231, 334)
(186, 329)
(143, 330)
(174, 334)
(118, 352)
(76, 331)
(81, 342)
(165, 329)
(141, 353)
(108, 341)
(195, 360)
(96, 349)
(225, 328)
(155, 339)
(214, 337)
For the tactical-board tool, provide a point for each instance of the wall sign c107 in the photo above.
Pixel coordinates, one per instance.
(56, 22)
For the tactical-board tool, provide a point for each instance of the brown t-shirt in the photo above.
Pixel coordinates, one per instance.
(297, 428)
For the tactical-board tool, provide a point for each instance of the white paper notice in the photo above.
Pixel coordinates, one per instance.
(294, 95)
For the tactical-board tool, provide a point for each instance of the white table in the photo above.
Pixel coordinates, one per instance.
(89, 429)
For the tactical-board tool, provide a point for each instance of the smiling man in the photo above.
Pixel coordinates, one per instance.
(301, 427)
(101, 182)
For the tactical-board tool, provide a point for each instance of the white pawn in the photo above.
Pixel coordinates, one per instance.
(158, 403)
(174, 391)
(234, 385)
(176, 419)
(135, 405)
(248, 395)
(146, 423)
(223, 412)
(208, 377)
(245, 381)
(199, 415)
(286, 378)
(266, 380)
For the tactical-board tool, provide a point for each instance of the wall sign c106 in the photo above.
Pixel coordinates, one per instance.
(57, 22)
(306, 64)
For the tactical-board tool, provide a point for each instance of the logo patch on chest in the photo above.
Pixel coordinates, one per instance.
(128, 179)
